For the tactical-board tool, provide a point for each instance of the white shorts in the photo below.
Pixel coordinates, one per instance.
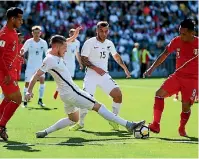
(105, 82)
(75, 100)
(29, 73)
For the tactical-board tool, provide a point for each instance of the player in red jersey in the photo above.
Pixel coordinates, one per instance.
(8, 73)
(184, 79)
(20, 58)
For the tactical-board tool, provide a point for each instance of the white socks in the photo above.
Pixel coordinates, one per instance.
(62, 123)
(82, 114)
(41, 90)
(116, 108)
(24, 91)
(105, 113)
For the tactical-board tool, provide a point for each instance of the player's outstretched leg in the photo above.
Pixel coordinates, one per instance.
(41, 94)
(105, 113)
(62, 123)
(157, 114)
(80, 124)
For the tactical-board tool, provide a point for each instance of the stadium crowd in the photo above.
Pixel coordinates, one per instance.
(152, 24)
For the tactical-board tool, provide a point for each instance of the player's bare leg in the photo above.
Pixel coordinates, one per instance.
(157, 110)
(41, 91)
(116, 94)
(184, 117)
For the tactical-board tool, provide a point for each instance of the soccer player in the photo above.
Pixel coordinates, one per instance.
(8, 72)
(20, 58)
(184, 79)
(135, 61)
(72, 96)
(36, 49)
(72, 52)
(95, 54)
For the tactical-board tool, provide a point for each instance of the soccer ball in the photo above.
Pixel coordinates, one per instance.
(142, 132)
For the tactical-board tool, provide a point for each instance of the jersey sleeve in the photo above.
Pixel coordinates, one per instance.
(3, 45)
(47, 64)
(25, 46)
(172, 45)
(86, 49)
(112, 49)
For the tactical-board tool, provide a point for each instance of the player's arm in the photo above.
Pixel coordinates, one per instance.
(161, 58)
(78, 57)
(119, 60)
(75, 35)
(87, 63)
(3, 67)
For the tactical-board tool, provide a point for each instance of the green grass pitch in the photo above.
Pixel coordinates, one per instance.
(97, 139)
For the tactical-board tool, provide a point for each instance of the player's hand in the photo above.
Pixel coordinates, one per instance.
(100, 71)
(148, 72)
(28, 96)
(22, 52)
(81, 67)
(128, 74)
(7, 80)
(76, 33)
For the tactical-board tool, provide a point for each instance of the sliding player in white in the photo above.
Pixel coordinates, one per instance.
(36, 49)
(72, 96)
(95, 55)
(72, 52)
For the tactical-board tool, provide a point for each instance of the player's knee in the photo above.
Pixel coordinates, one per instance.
(116, 94)
(186, 107)
(96, 107)
(161, 93)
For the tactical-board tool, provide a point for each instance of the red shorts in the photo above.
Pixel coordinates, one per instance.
(12, 87)
(187, 86)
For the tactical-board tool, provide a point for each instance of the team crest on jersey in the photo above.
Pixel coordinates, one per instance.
(108, 47)
(2, 43)
(196, 51)
(14, 46)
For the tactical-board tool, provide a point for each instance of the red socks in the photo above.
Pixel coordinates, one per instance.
(158, 109)
(184, 118)
(8, 112)
(2, 106)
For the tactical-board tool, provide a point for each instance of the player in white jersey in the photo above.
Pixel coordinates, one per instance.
(35, 48)
(95, 54)
(72, 52)
(72, 96)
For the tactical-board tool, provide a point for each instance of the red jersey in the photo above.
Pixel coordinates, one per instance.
(184, 52)
(8, 49)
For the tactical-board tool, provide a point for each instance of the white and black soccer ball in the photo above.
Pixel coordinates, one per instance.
(141, 132)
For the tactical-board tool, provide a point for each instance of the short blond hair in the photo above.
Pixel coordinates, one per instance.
(36, 27)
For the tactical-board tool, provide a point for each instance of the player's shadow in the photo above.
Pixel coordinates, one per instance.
(186, 140)
(78, 141)
(20, 146)
(41, 108)
(113, 133)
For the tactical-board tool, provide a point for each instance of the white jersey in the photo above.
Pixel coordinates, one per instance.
(56, 66)
(98, 53)
(36, 52)
(72, 49)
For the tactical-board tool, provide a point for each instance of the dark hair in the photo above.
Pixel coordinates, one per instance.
(57, 39)
(13, 12)
(36, 27)
(102, 24)
(189, 24)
